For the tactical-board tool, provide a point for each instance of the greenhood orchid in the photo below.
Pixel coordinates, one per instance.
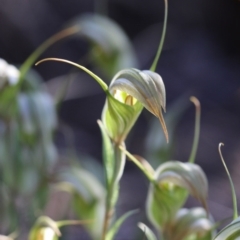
(129, 91)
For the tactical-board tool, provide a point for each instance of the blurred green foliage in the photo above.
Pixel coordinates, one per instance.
(30, 167)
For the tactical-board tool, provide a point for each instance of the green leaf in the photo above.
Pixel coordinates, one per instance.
(44, 228)
(114, 229)
(230, 232)
(8, 102)
(192, 224)
(37, 120)
(88, 197)
(111, 49)
(174, 180)
(147, 231)
(108, 155)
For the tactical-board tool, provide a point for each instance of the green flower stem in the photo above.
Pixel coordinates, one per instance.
(154, 64)
(139, 165)
(33, 57)
(112, 193)
(234, 198)
(107, 216)
(196, 131)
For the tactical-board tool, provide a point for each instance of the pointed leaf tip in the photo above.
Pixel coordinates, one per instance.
(114, 229)
(147, 231)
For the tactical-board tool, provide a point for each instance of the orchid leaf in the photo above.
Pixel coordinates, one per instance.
(108, 155)
(88, 197)
(147, 231)
(8, 102)
(114, 229)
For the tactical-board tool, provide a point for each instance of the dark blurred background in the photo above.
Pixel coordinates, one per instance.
(201, 57)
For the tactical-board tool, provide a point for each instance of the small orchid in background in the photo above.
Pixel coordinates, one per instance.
(47, 229)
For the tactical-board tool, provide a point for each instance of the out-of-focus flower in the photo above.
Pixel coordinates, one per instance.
(9, 74)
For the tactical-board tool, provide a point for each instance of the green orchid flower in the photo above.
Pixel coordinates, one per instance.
(129, 91)
(133, 89)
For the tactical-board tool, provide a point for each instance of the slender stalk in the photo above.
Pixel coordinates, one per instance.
(108, 212)
(33, 57)
(107, 217)
(138, 164)
(112, 193)
(155, 61)
(98, 79)
(234, 198)
(196, 131)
